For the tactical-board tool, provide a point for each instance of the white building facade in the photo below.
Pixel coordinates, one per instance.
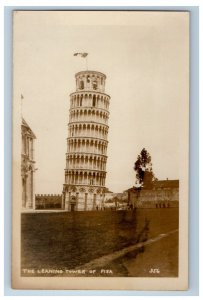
(27, 166)
(87, 143)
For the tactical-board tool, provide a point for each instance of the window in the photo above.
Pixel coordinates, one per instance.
(94, 101)
(94, 85)
(81, 85)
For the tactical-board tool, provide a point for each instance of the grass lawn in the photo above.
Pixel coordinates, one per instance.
(66, 240)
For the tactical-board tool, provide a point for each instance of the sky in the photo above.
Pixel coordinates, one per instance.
(145, 58)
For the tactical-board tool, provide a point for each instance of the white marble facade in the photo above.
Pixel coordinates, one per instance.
(27, 166)
(87, 143)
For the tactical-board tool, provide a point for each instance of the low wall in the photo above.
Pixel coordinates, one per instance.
(146, 198)
(48, 201)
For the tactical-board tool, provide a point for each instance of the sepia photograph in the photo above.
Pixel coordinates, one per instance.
(100, 149)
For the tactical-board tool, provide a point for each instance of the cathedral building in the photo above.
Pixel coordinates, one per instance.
(27, 166)
(86, 156)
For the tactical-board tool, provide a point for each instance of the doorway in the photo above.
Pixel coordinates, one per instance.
(72, 207)
(73, 204)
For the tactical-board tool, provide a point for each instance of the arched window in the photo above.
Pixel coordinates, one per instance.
(81, 97)
(94, 85)
(94, 101)
(81, 85)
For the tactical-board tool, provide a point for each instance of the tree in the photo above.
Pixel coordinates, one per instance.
(143, 169)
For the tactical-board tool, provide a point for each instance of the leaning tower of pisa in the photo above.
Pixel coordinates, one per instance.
(86, 156)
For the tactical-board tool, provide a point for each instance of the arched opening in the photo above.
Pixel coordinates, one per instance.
(98, 163)
(86, 161)
(96, 131)
(79, 145)
(94, 163)
(93, 115)
(97, 179)
(90, 162)
(94, 101)
(93, 178)
(80, 130)
(94, 84)
(73, 203)
(85, 177)
(77, 101)
(83, 145)
(95, 147)
(81, 100)
(88, 129)
(86, 100)
(81, 85)
(90, 100)
(100, 117)
(92, 128)
(89, 115)
(87, 145)
(77, 113)
(91, 146)
(98, 100)
(80, 178)
(85, 115)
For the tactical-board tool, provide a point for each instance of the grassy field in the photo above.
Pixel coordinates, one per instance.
(66, 240)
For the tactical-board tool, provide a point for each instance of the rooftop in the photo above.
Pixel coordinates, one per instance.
(90, 72)
(24, 124)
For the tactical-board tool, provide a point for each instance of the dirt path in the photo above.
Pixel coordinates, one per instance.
(132, 262)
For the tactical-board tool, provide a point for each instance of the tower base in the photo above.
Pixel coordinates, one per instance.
(83, 198)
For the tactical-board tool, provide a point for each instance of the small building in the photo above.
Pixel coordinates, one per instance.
(161, 194)
(27, 165)
(116, 200)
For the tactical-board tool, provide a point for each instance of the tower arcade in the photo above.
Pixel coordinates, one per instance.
(87, 143)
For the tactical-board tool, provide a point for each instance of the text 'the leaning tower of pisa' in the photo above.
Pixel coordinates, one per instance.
(86, 157)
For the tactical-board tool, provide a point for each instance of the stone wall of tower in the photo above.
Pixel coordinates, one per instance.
(86, 156)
